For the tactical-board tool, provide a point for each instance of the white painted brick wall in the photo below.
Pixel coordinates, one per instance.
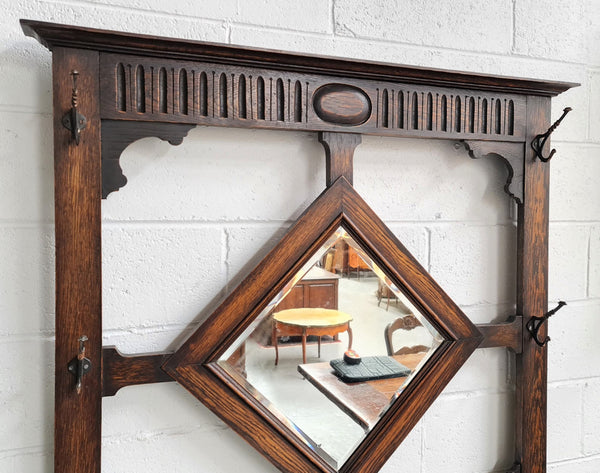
(195, 219)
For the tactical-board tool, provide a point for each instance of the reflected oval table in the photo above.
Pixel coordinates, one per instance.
(309, 321)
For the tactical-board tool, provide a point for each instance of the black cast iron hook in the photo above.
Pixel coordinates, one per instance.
(534, 324)
(74, 121)
(80, 365)
(537, 144)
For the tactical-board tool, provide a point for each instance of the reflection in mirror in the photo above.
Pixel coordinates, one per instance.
(333, 349)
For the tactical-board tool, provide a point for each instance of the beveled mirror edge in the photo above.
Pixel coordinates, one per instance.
(347, 209)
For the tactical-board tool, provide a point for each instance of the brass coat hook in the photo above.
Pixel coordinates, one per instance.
(73, 120)
(534, 324)
(537, 144)
(80, 365)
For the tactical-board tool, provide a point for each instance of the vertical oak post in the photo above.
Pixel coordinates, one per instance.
(78, 192)
(532, 297)
(339, 153)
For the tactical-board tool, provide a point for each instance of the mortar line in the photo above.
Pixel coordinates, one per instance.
(459, 395)
(568, 461)
(428, 230)
(514, 26)
(24, 224)
(582, 422)
(225, 253)
(588, 90)
(417, 47)
(589, 260)
(155, 13)
(217, 22)
(572, 382)
(164, 432)
(23, 109)
(284, 223)
(228, 32)
(19, 451)
(423, 434)
(583, 144)
(332, 16)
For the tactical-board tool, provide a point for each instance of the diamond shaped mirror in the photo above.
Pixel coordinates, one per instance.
(333, 347)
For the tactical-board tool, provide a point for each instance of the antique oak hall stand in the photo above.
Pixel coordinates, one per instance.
(111, 89)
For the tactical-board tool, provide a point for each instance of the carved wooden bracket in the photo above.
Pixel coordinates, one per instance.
(339, 154)
(513, 155)
(117, 135)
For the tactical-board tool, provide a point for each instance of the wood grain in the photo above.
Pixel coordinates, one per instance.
(508, 334)
(120, 370)
(532, 298)
(78, 265)
(339, 155)
(338, 205)
(131, 86)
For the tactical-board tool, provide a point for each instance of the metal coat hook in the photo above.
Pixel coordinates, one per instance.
(80, 365)
(537, 144)
(534, 324)
(73, 120)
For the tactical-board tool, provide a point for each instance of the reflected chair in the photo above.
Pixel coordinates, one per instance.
(384, 291)
(407, 322)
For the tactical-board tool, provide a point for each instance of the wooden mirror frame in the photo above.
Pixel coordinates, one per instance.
(110, 89)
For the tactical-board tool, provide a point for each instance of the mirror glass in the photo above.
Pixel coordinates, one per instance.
(330, 353)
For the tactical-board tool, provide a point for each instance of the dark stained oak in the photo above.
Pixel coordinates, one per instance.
(532, 298)
(342, 104)
(78, 265)
(339, 155)
(508, 334)
(195, 361)
(116, 136)
(134, 86)
(120, 370)
(511, 154)
(52, 35)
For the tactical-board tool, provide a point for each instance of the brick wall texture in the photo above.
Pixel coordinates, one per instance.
(194, 219)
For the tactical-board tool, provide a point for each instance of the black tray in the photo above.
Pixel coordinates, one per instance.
(369, 369)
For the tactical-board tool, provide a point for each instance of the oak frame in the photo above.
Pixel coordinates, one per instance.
(86, 172)
(192, 365)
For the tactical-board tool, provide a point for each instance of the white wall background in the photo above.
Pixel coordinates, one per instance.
(194, 219)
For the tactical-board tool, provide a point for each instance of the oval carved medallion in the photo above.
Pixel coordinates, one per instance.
(342, 104)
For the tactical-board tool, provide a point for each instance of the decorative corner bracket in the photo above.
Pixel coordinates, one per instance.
(513, 155)
(535, 323)
(117, 135)
(538, 143)
(74, 121)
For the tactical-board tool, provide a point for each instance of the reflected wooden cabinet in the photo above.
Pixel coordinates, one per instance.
(319, 288)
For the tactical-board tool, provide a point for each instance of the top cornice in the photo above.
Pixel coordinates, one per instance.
(54, 35)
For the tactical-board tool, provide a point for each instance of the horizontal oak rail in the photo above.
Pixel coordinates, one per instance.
(119, 371)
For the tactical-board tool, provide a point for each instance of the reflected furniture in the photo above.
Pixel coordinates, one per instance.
(384, 292)
(345, 260)
(363, 401)
(318, 288)
(405, 323)
(310, 321)
(111, 89)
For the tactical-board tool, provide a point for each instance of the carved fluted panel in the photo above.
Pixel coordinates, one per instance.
(141, 88)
